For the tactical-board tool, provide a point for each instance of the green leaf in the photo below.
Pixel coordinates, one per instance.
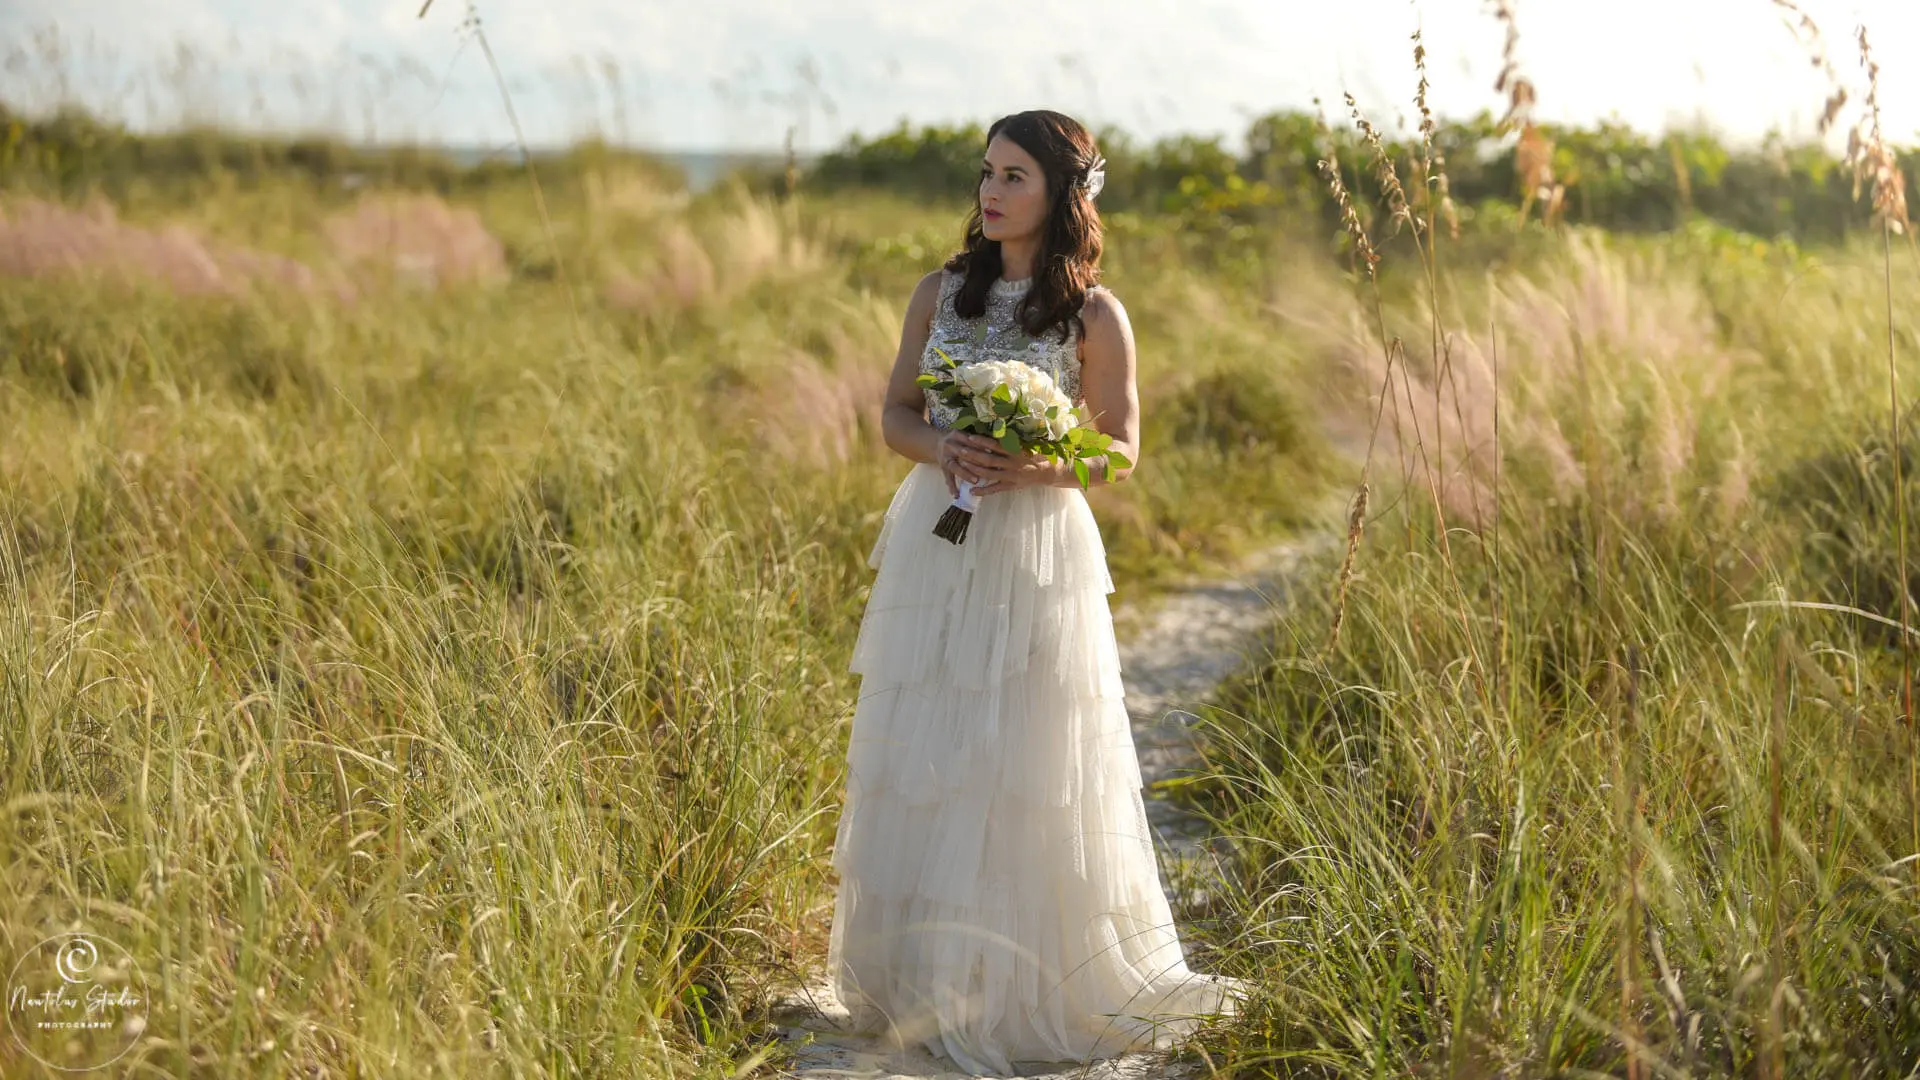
(1116, 457)
(1010, 442)
(927, 380)
(1081, 471)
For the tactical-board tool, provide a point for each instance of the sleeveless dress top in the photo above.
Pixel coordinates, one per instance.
(996, 335)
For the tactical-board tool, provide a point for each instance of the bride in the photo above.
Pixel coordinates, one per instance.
(998, 897)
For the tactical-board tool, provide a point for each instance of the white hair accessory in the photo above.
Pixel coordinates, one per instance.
(1096, 177)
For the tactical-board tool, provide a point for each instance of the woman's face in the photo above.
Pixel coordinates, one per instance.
(1013, 192)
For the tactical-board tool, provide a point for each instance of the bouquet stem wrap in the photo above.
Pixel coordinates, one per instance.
(952, 526)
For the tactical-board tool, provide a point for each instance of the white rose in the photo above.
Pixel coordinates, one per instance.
(1065, 419)
(1033, 381)
(978, 378)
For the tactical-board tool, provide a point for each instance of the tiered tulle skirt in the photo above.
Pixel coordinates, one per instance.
(999, 899)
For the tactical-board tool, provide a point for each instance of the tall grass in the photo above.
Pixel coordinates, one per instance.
(394, 734)
(1627, 792)
(416, 685)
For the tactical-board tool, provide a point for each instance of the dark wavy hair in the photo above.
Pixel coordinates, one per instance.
(1068, 263)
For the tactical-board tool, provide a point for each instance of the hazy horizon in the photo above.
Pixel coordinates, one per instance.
(732, 76)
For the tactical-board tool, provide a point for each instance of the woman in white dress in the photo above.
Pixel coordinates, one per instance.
(999, 899)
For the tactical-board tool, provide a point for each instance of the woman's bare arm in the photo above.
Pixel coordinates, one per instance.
(903, 420)
(1107, 383)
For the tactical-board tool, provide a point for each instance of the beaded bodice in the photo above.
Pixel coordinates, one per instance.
(996, 335)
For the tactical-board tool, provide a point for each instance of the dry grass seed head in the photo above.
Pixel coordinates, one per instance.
(1871, 159)
(1330, 168)
(1383, 169)
(1433, 170)
(1517, 87)
(1808, 33)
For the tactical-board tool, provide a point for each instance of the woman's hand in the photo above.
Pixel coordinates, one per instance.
(1008, 472)
(964, 455)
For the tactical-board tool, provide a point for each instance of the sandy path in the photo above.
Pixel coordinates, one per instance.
(1175, 654)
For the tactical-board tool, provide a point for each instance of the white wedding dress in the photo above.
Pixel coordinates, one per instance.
(999, 899)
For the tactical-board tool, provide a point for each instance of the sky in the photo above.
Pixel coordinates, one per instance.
(738, 74)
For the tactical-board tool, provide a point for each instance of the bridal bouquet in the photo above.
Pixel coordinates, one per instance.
(1022, 408)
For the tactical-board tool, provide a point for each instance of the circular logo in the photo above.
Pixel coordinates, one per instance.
(76, 1001)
